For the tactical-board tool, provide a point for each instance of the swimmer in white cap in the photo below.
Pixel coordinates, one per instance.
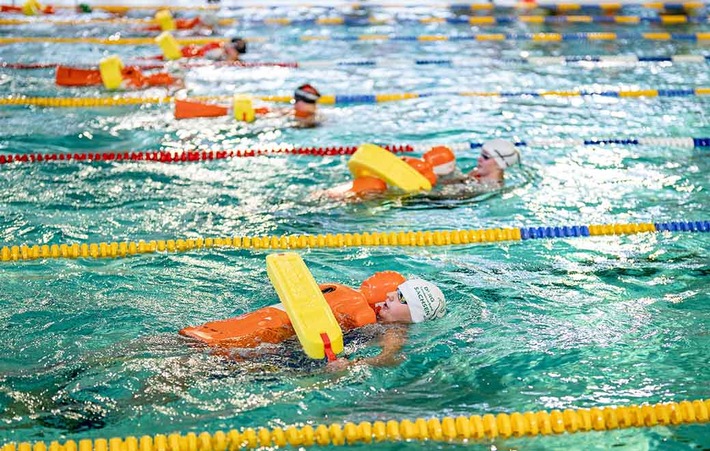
(438, 165)
(496, 156)
(414, 301)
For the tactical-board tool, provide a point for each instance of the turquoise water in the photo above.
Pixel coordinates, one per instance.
(91, 348)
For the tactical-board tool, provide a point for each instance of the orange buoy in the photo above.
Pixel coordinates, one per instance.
(423, 168)
(442, 160)
(376, 287)
(185, 109)
(272, 325)
(71, 76)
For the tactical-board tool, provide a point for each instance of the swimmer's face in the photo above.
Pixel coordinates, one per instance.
(305, 112)
(395, 309)
(230, 53)
(486, 165)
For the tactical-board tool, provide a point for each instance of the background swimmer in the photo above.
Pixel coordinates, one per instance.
(304, 111)
(438, 166)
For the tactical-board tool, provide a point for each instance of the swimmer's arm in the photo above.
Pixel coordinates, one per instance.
(454, 179)
(392, 342)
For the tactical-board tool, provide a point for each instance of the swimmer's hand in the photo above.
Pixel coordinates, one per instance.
(338, 365)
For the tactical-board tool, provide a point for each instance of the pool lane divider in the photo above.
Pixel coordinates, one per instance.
(395, 62)
(661, 19)
(671, 19)
(350, 99)
(558, 7)
(481, 37)
(193, 156)
(339, 240)
(487, 427)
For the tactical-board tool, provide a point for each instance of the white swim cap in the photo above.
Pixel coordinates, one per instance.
(425, 300)
(503, 152)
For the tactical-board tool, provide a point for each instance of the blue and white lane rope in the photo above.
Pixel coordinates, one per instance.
(534, 60)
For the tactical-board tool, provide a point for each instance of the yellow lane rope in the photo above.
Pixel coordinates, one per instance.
(338, 240)
(335, 99)
(105, 21)
(104, 41)
(446, 429)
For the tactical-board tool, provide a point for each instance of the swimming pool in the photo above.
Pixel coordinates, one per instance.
(91, 344)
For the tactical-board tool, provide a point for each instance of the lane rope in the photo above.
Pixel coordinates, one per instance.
(663, 19)
(348, 99)
(560, 7)
(440, 429)
(533, 37)
(402, 238)
(186, 156)
(421, 61)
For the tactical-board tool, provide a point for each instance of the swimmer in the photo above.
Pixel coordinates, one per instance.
(132, 78)
(386, 297)
(497, 155)
(414, 301)
(217, 51)
(438, 166)
(304, 106)
(204, 23)
(304, 109)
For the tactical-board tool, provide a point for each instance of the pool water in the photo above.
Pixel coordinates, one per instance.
(91, 346)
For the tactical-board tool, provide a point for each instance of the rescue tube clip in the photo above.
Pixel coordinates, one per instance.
(165, 20)
(31, 7)
(305, 305)
(169, 45)
(372, 160)
(243, 108)
(110, 69)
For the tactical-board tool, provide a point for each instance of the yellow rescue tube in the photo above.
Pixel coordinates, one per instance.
(165, 20)
(372, 160)
(110, 69)
(169, 45)
(310, 315)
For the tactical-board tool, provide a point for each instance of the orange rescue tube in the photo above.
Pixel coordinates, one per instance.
(442, 159)
(272, 325)
(71, 76)
(194, 51)
(423, 168)
(266, 325)
(185, 109)
(360, 187)
(160, 79)
(376, 287)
